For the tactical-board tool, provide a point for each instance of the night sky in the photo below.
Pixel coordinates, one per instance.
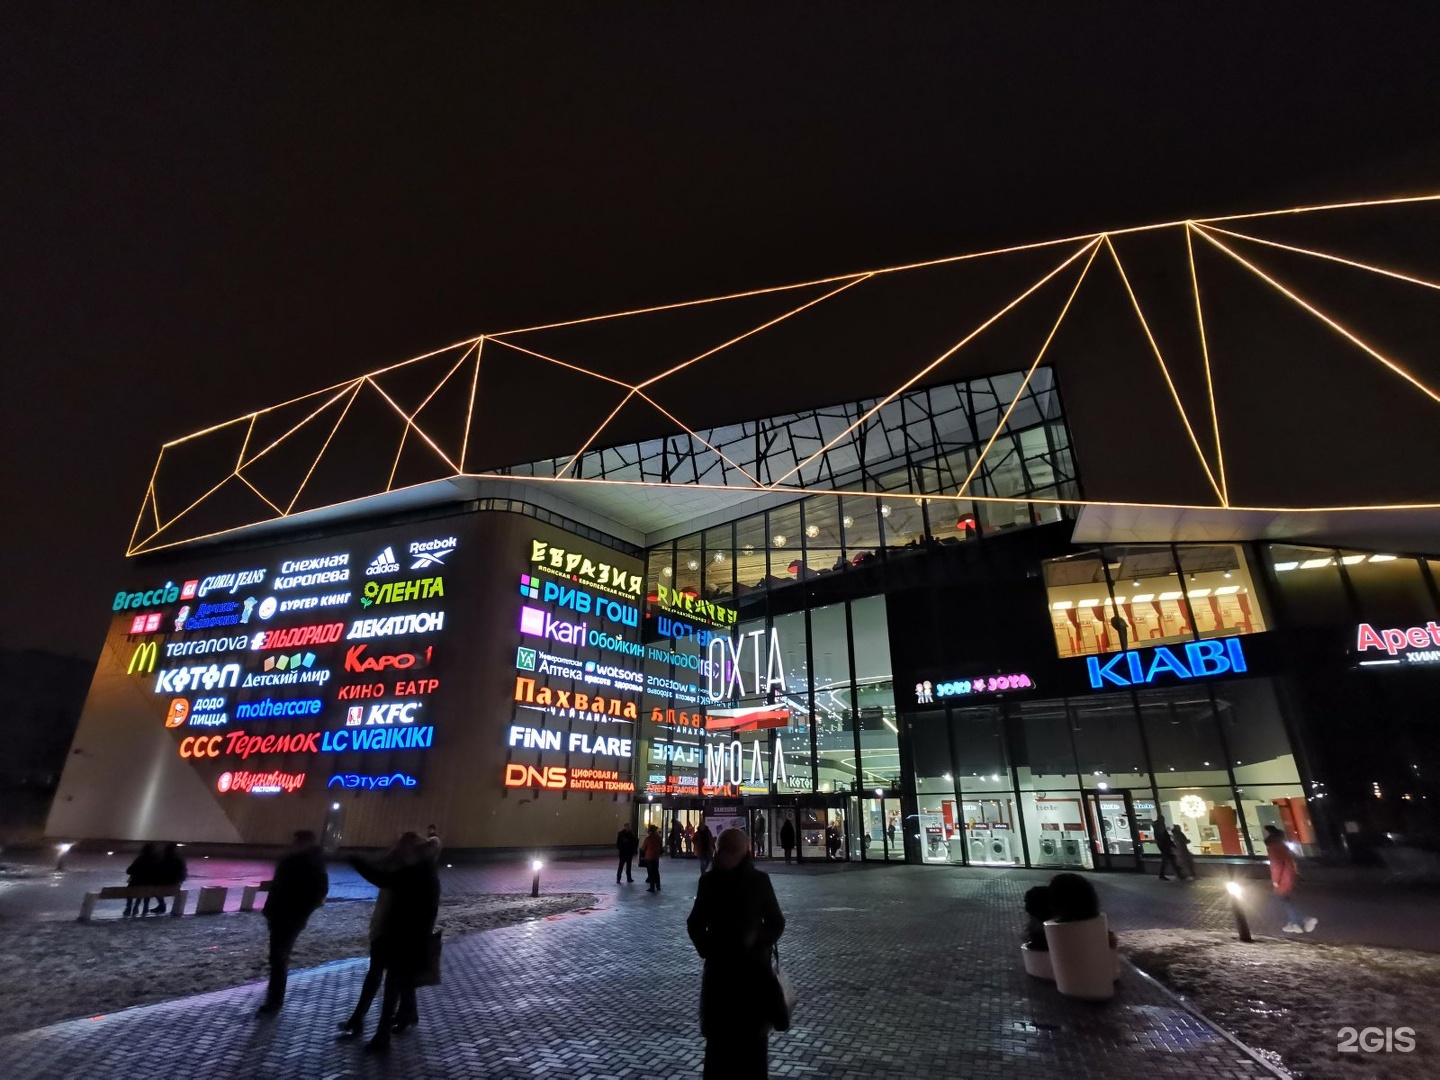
(208, 208)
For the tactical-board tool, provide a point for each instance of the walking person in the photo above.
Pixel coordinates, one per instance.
(625, 847)
(402, 938)
(1184, 861)
(704, 846)
(689, 838)
(298, 887)
(1166, 847)
(141, 873)
(677, 839)
(651, 848)
(1284, 871)
(375, 973)
(787, 838)
(733, 925)
(761, 835)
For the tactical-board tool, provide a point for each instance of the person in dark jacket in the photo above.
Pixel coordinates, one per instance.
(297, 888)
(787, 838)
(676, 839)
(625, 846)
(1166, 847)
(704, 846)
(170, 871)
(733, 925)
(141, 872)
(402, 942)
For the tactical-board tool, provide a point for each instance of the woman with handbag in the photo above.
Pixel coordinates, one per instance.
(734, 925)
(402, 940)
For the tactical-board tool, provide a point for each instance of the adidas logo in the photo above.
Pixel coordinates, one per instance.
(384, 563)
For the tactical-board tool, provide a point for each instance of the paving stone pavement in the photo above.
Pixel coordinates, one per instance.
(902, 972)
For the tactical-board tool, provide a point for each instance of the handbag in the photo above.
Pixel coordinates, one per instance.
(782, 993)
(429, 973)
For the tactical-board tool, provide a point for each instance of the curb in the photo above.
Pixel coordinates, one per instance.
(1255, 1055)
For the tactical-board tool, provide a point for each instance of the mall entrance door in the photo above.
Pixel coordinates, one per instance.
(1114, 832)
(821, 828)
(875, 821)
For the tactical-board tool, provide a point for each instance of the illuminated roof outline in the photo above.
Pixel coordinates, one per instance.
(325, 411)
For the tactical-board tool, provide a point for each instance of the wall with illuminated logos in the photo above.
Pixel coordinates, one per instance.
(242, 695)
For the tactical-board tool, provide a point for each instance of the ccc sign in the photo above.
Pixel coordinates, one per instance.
(200, 746)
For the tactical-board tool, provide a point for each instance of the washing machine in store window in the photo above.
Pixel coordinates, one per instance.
(980, 846)
(999, 847)
(1050, 850)
(1070, 849)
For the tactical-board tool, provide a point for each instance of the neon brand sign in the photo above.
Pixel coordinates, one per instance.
(295, 636)
(269, 783)
(575, 742)
(578, 600)
(431, 553)
(578, 567)
(559, 778)
(380, 738)
(233, 582)
(574, 702)
(361, 780)
(1196, 660)
(145, 624)
(422, 622)
(1412, 645)
(686, 604)
(400, 592)
(726, 678)
(397, 712)
(926, 692)
(168, 593)
(302, 573)
(278, 708)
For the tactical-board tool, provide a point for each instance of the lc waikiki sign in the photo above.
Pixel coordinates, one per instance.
(1140, 667)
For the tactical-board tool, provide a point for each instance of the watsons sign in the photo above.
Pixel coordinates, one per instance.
(579, 567)
(1194, 660)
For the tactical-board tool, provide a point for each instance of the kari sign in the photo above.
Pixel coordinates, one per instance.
(1166, 664)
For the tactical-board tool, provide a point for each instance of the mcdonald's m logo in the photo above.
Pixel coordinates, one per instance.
(142, 661)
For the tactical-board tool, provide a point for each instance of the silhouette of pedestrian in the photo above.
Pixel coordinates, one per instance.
(402, 937)
(141, 873)
(171, 872)
(1183, 859)
(787, 838)
(625, 847)
(1166, 847)
(733, 925)
(704, 846)
(297, 888)
(650, 851)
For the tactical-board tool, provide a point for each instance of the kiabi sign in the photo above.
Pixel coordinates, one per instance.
(1141, 667)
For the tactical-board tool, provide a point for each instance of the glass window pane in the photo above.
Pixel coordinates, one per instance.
(720, 565)
(1251, 723)
(1055, 826)
(834, 707)
(1282, 806)
(875, 704)
(1044, 758)
(1107, 742)
(1390, 590)
(1207, 816)
(935, 789)
(795, 739)
(862, 528)
(687, 565)
(751, 548)
(1183, 737)
(1217, 583)
(1309, 583)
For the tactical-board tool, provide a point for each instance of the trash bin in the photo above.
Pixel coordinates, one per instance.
(211, 901)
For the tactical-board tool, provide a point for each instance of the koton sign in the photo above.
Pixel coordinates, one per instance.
(1412, 645)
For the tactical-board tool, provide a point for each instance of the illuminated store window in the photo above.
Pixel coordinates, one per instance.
(875, 700)
(1055, 826)
(1044, 757)
(938, 826)
(752, 554)
(1221, 596)
(860, 518)
(687, 565)
(661, 568)
(1283, 806)
(1254, 732)
(988, 808)
(786, 544)
(1208, 817)
(719, 564)
(795, 740)
(1130, 597)
(1389, 588)
(1309, 583)
(824, 553)
(834, 707)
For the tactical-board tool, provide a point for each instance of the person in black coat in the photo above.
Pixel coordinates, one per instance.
(170, 871)
(626, 845)
(402, 940)
(733, 925)
(297, 888)
(141, 872)
(787, 838)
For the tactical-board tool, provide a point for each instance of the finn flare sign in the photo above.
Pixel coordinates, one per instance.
(1193, 660)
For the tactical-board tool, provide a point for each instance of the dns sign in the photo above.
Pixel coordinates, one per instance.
(549, 776)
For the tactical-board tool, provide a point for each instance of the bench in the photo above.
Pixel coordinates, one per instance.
(133, 892)
(250, 892)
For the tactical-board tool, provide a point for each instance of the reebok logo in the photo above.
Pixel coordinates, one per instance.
(431, 553)
(384, 563)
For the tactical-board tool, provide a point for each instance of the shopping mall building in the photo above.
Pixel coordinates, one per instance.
(908, 632)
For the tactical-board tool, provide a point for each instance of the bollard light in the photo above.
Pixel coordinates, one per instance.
(536, 865)
(1242, 924)
(61, 850)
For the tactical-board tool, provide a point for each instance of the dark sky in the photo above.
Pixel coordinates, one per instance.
(207, 208)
